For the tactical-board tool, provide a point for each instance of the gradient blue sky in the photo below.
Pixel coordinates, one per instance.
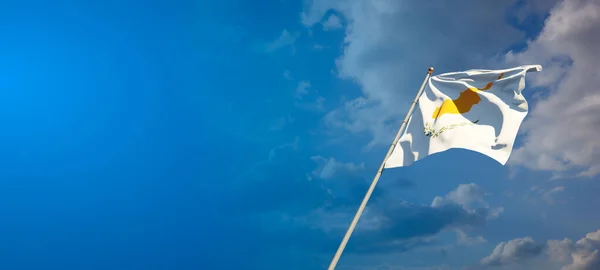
(243, 135)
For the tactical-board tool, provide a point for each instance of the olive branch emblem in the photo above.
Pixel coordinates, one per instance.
(431, 132)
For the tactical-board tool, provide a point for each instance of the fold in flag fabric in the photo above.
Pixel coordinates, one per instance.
(477, 110)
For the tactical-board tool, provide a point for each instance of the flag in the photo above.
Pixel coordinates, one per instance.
(477, 110)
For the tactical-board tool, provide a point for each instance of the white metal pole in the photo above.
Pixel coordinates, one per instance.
(362, 206)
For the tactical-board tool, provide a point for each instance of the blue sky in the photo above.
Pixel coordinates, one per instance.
(243, 135)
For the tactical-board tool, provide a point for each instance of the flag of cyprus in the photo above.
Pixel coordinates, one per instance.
(477, 110)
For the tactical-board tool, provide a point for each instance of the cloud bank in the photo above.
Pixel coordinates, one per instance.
(581, 255)
(387, 53)
(561, 132)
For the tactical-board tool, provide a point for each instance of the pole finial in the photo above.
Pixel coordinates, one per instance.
(430, 70)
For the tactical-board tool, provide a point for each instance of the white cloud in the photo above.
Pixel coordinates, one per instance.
(534, 8)
(319, 47)
(561, 132)
(281, 122)
(330, 167)
(316, 105)
(273, 152)
(466, 195)
(389, 46)
(559, 250)
(463, 239)
(513, 251)
(332, 23)
(581, 255)
(302, 89)
(287, 75)
(471, 197)
(586, 253)
(550, 196)
(307, 98)
(390, 224)
(285, 39)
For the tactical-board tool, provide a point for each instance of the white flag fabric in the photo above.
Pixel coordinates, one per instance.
(477, 110)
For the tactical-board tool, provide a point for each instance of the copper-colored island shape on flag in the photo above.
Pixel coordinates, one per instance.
(463, 103)
(458, 114)
(477, 110)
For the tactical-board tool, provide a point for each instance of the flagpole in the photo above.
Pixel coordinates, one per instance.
(362, 206)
